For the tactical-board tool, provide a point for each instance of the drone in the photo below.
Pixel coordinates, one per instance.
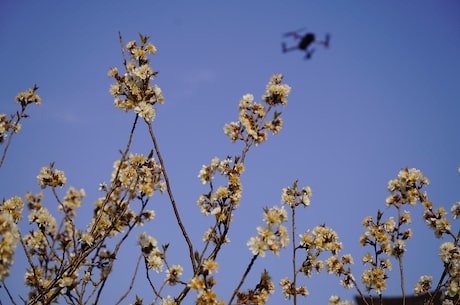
(305, 43)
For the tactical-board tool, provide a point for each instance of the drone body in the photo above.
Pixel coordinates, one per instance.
(305, 43)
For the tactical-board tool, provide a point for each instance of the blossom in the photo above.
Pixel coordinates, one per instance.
(196, 283)
(288, 196)
(208, 297)
(143, 72)
(173, 274)
(306, 195)
(335, 300)
(423, 284)
(246, 100)
(390, 225)
(210, 265)
(72, 200)
(455, 210)
(168, 301)
(87, 238)
(145, 110)
(448, 251)
(275, 215)
(150, 48)
(113, 72)
(405, 218)
(257, 246)
(13, 206)
(306, 239)
(232, 130)
(44, 220)
(206, 174)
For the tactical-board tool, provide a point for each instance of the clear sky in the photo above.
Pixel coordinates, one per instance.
(384, 96)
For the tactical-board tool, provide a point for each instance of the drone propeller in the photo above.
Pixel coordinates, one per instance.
(293, 33)
(327, 40)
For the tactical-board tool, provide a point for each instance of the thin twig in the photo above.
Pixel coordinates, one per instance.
(131, 284)
(9, 294)
(243, 278)
(171, 197)
(294, 268)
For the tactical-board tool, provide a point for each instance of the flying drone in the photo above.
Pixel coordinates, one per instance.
(305, 42)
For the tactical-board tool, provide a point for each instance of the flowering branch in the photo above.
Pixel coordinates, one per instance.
(10, 126)
(71, 264)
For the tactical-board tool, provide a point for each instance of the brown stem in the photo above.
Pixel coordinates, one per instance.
(132, 281)
(171, 197)
(294, 269)
(243, 278)
(10, 136)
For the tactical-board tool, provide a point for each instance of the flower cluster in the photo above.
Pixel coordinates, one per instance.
(378, 237)
(293, 197)
(12, 122)
(406, 188)
(436, 219)
(208, 297)
(335, 300)
(72, 200)
(203, 283)
(251, 126)
(260, 294)
(7, 125)
(289, 288)
(222, 201)
(134, 90)
(139, 175)
(423, 284)
(387, 237)
(49, 176)
(10, 213)
(152, 255)
(28, 97)
(324, 239)
(374, 278)
(274, 236)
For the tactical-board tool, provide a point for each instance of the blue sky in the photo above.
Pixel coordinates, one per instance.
(384, 96)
